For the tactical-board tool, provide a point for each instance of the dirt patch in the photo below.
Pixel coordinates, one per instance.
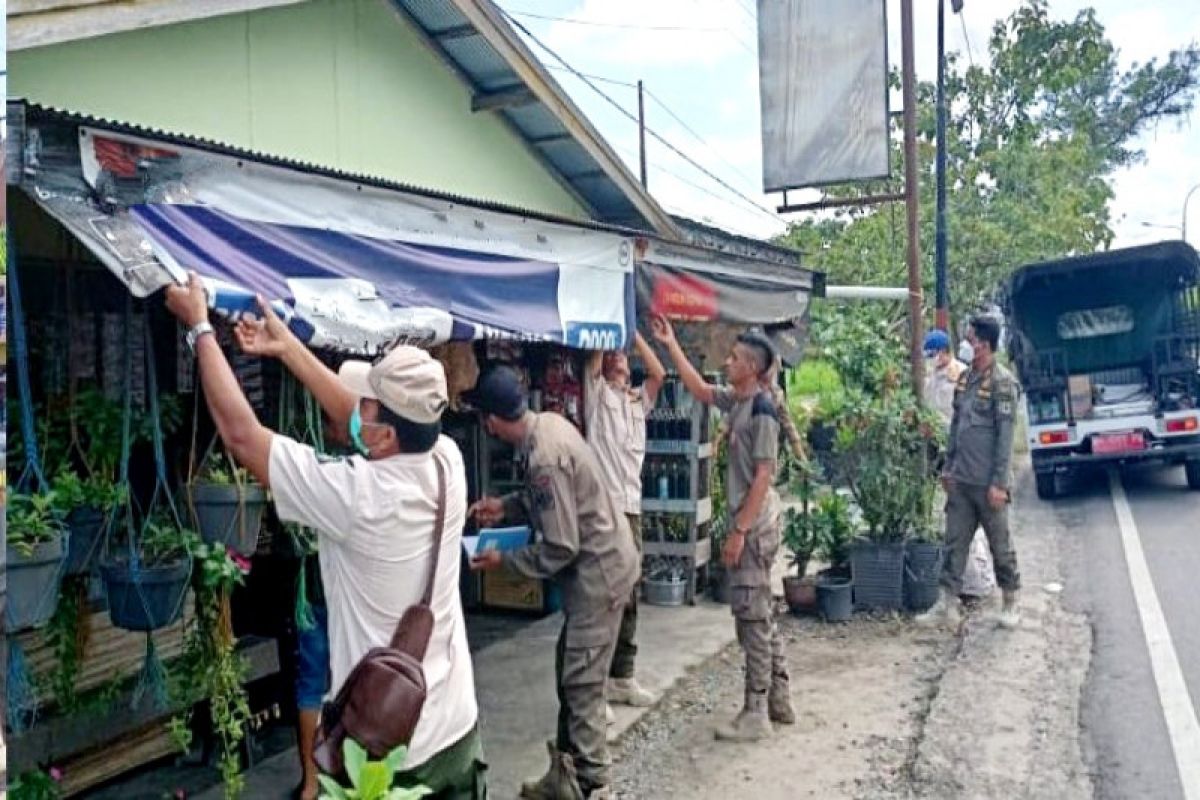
(861, 691)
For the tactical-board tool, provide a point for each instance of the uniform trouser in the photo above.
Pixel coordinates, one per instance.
(582, 658)
(967, 509)
(753, 610)
(626, 650)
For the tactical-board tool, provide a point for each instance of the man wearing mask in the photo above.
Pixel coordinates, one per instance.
(616, 430)
(754, 539)
(978, 474)
(586, 548)
(374, 514)
(942, 372)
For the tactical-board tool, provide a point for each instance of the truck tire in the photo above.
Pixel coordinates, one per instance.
(1047, 485)
(1192, 470)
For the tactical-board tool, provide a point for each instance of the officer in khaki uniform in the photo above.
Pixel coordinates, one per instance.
(752, 422)
(978, 474)
(587, 548)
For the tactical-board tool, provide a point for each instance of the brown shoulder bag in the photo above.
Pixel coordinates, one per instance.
(380, 703)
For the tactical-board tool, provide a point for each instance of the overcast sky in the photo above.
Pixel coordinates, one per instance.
(699, 58)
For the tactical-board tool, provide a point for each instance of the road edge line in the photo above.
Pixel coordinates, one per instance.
(1183, 728)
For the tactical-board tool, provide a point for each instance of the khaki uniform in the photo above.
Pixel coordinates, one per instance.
(979, 455)
(753, 430)
(586, 547)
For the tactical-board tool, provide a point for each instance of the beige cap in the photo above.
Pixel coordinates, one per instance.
(407, 380)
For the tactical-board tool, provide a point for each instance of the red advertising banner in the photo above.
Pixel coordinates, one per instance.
(683, 297)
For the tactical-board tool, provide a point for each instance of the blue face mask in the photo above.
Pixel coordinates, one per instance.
(355, 426)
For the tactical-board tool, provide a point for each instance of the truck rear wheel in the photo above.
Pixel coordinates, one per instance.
(1047, 485)
(1192, 469)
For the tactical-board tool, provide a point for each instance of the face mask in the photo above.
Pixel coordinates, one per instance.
(356, 439)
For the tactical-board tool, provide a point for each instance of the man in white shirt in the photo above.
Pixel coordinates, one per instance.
(374, 514)
(616, 431)
(942, 371)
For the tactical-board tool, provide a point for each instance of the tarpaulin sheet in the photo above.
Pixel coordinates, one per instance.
(716, 300)
(354, 268)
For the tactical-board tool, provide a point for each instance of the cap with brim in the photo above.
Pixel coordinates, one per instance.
(408, 381)
(499, 392)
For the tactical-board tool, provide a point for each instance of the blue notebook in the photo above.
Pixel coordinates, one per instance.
(513, 538)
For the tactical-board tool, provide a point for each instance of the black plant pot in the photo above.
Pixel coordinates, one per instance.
(86, 525)
(835, 598)
(922, 569)
(821, 437)
(720, 585)
(147, 598)
(230, 514)
(878, 569)
(33, 583)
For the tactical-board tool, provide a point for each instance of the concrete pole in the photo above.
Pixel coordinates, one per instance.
(915, 306)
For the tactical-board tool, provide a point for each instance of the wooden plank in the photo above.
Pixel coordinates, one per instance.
(121, 755)
(85, 21)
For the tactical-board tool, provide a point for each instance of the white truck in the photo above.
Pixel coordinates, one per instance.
(1107, 349)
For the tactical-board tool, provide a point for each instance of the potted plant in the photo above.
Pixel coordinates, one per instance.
(817, 395)
(228, 506)
(370, 780)
(665, 582)
(884, 459)
(800, 540)
(720, 588)
(84, 504)
(35, 550)
(146, 588)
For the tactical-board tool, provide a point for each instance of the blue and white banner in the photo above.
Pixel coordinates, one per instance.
(353, 268)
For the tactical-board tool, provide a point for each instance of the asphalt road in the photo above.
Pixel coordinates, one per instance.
(1124, 725)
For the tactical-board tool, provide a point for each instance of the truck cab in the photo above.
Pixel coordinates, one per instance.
(1107, 349)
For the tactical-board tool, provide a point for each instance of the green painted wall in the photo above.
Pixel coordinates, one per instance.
(341, 83)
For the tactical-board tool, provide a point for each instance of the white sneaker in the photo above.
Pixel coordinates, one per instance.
(1010, 613)
(946, 612)
(609, 716)
(627, 692)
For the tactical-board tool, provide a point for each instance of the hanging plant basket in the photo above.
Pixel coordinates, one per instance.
(86, 525)
(878, 570)
(33, 582)
(145, 598)
(229, 514)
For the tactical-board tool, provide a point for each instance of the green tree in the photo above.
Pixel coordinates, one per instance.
(1031, 141)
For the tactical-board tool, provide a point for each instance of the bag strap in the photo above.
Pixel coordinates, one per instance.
(439, 524)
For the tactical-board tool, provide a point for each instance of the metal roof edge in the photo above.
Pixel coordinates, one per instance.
(483, 15)
(31, 111)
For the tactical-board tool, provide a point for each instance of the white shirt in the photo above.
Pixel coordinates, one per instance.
(616, 430)
(375, 520)
(940, 383)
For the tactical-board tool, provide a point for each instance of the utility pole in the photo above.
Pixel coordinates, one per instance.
(908, 75)
(942, 291)
(642, 133)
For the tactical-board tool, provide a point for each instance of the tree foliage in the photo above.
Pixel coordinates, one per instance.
(1032, 139)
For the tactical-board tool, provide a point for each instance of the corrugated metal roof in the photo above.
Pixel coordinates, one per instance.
(479, 63)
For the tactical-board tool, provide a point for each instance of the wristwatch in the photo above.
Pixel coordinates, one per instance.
(198, 330)
(738, 529)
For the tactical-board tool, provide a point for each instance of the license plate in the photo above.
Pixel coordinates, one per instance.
(1109, 443)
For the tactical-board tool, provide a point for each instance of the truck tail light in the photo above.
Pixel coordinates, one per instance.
(1183, 425)
(1054, 437)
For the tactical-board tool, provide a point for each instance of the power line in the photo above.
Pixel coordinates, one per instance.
(600, 78)
(698, 137)
(622, 25)
(962, 19)
(632, 117)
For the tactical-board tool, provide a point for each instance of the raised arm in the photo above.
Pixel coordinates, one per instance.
(269, 336)
(701, 389)
(655, 372)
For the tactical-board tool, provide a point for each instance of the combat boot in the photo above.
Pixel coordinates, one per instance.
(628, 692)
(751, 725)
(559, 783)
(779, 701)
(1010, 612)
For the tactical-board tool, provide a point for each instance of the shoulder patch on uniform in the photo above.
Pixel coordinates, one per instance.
(326, 458)
(542, 492)
(764, 406)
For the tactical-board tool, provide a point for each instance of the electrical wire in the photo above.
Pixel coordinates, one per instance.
(601, 78)
(963, 21)
(750, 181)
(621, 25)
(633, 117)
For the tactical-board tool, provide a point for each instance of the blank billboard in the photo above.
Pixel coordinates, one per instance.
(823, 89)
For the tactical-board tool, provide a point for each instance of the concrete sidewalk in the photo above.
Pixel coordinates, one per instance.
(514, 680)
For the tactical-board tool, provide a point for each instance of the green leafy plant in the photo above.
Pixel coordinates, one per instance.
(32, 520)
(884, 454)
(210, 667)
(66, 633)
(37, 785)
(832, 528)
(163, 541)
(223, 471)
(370, 780)
(815, 391)
(96, 491)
